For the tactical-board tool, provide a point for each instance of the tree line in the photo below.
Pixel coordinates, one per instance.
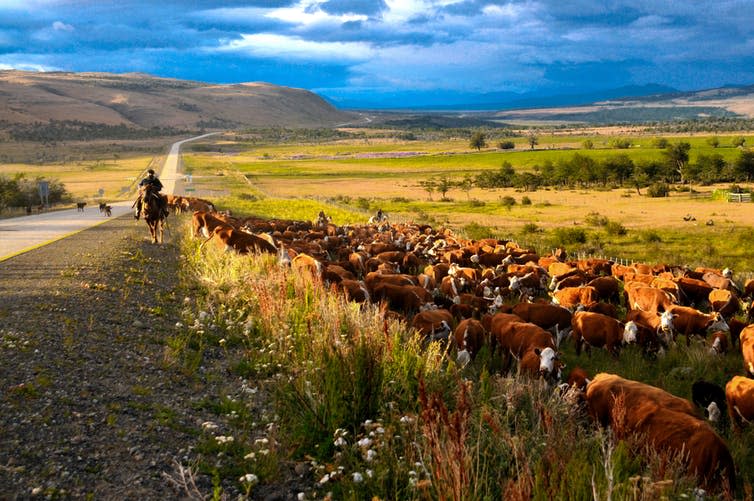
(579, 170)
(21, 191)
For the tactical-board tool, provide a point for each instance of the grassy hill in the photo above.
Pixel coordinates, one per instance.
(142, 101)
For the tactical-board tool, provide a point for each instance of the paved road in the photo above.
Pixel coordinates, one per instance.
(21, 234)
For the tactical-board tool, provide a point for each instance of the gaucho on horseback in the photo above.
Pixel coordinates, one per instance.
(156, 185)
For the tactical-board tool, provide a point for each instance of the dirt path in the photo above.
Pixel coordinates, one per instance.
(89, 406)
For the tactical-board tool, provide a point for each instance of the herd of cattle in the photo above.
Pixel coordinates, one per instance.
(523, 305)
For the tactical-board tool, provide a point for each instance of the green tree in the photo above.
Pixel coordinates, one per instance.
(466, 184)
(428, 185)
(618, 168)
(444, 184)
(677, 155)
(714, 141)
(707, 168)
(478, 140)
(743, 167)
(660, 143)
(738, 141)
(533, 140)
(506, 145)
(587, 144)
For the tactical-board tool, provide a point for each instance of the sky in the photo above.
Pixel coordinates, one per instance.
(393, 53)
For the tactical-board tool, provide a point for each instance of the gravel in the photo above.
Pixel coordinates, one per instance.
(90, 409)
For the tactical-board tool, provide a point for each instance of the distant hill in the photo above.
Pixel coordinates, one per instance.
(142, 101)
(723, 102)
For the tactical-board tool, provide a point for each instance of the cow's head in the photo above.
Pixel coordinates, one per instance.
(515, 283)
(553, 284)
(713, 412)
(728, 273)
(550, 365)
(666, 321)
(630, 332)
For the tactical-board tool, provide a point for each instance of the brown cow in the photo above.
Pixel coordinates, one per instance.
(746, 339)
(608, 288)
(544, 363)
(688, 321)
(647, 298)
(434, 325)
(470, 336)
(307, 264)
(599, 330)
(406, 299)
(695, 291)
(665, 422)
(660, 324)
(516, 338)
(571, 297)
(229, 238)
(548, 316)
(355, 290)
(724, 301)
(203, 222)
(739, 395)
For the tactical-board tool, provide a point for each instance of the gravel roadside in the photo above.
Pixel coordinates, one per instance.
(89, 408)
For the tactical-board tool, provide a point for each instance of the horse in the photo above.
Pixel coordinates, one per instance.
(151, 207)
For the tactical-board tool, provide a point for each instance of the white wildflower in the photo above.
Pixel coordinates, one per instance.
(209, 425)
(340, 442)
(264, 452)
(365, 442)
(301, 496)
(186, 300)
(249, 478)
(261, 441)
(324, 479)
(370, 473)
(222, 439)
(250, 456)
(371, 454)
(203, 315)
(407, 420)
(357, 477)
(222, 342)
(179, 325)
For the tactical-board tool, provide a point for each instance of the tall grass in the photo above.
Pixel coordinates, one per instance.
(374, 412)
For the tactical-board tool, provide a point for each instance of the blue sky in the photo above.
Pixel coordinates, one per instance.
(392, 51)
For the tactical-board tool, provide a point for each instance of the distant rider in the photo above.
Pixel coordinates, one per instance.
(153, 180)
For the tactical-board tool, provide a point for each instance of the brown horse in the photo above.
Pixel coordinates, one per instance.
(151, 207)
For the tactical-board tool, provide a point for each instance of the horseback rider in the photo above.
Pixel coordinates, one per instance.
(154, 181)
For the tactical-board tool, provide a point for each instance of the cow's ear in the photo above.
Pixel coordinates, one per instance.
(537, 351)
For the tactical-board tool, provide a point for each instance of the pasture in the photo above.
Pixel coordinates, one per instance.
(352, 178)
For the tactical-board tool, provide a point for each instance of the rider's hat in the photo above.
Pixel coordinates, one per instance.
(150, 171)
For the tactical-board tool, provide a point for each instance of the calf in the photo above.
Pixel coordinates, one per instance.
(80, 206)
(229, 238)
(599, 330)
(719, 343)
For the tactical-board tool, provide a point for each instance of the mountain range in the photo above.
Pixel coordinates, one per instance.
(142, 101)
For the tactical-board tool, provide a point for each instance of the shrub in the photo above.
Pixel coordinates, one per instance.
(660, 143)
(566, 236)
(650, 236)
(614, 228)
(362, 203)
(658, 190)
(506, 145)
(507, 201)
(621, 143)
(476, 231)
(525, 200)
(400, 200)
(530, 228)
(596, 219)
(477, 203)
(587, 144)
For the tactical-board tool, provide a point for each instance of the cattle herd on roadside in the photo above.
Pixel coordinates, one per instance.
(522, 306)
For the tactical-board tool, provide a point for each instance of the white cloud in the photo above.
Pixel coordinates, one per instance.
(61, 26)
(290, 47)
(308, 12)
